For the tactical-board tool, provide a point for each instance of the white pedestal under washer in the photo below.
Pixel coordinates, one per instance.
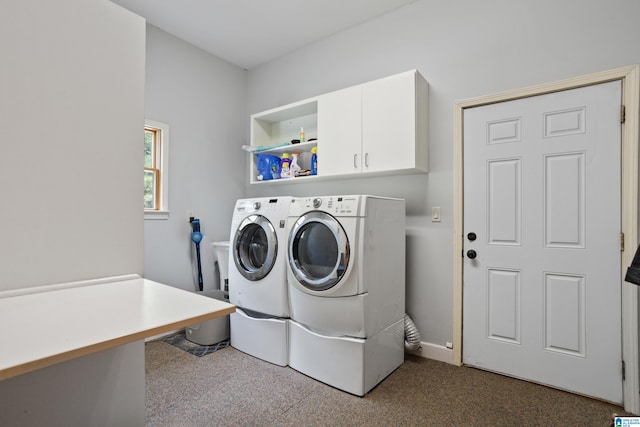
(346, 277)
(257, 278)
(264, 337)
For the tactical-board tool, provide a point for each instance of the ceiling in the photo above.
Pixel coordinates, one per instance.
(249, 33)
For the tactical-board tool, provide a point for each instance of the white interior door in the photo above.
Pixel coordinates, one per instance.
(541, 298)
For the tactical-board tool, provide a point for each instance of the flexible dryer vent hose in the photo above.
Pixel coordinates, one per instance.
(411, 334)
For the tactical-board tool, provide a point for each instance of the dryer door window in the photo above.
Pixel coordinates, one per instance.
(318, 251)
(255, 247)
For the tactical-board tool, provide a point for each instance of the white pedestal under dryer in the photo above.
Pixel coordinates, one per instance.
(346, 278)
(257, 278)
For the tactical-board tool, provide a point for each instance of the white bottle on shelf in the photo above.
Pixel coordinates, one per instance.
(294, 167)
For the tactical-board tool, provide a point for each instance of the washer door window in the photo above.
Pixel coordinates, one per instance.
(255, 246)
(318, 251)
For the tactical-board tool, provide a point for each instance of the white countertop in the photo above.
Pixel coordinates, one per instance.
(41, 329)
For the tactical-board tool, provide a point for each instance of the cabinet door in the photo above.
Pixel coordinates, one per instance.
(340, 132)
(389, 123)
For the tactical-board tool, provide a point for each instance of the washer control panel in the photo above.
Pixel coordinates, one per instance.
(262, 205)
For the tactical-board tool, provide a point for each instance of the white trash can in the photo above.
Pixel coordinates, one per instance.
(212, 331)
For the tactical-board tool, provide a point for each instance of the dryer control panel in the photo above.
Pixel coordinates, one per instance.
(335, 205)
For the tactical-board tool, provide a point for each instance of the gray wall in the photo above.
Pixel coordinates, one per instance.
(203, 99)
(71, 114)
(464, 48)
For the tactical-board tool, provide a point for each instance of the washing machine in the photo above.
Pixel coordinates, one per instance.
(346, 278)
(257, 278)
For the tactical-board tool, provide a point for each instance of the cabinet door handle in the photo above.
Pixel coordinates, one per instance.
(355, 161)
(366, 160)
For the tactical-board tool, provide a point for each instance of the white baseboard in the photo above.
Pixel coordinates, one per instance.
(435, 352)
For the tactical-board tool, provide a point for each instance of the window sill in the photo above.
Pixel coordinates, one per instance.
(156, 214)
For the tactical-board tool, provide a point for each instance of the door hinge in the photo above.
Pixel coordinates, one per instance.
(621, 242)
(624, 371)
(623, 114)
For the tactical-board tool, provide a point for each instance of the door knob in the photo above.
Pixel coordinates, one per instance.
(472, 236)
(471, 254)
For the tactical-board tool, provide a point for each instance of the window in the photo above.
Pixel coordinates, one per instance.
(156, 182)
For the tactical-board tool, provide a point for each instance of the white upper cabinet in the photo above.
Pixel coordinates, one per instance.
(394, 124)
(375, 128)
(340, 132)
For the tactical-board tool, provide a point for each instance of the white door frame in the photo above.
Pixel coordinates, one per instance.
(630, 77)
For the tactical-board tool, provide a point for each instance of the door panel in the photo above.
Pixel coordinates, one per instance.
(503, 309)
(565, 313)
(504, 201)
(564, 214)
(541, 295)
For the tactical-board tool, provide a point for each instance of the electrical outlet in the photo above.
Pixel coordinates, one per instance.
(449, 345)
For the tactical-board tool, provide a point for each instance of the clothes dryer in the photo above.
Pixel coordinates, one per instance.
(346, 263)
(346, 271)
(257, 278)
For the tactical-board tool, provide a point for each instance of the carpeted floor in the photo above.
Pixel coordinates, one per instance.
(230, 388)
